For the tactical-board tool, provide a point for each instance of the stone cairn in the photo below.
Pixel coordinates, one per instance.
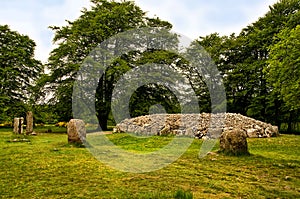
(29, 123)
(76, 131)
(200, 126)
(18, 125)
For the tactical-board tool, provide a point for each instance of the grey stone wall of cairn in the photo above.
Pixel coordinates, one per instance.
(196, 125)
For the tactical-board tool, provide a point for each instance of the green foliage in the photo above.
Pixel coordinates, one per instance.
(18, 73)
(284, 67)
(257, 64)
(260, 66)
(75, 42)
(61, 124)
(145, 97)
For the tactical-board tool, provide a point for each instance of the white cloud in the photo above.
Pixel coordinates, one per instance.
(32, 18)
(196, 18)
(192, 18)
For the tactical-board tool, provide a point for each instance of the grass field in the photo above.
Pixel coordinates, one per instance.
(46, 166)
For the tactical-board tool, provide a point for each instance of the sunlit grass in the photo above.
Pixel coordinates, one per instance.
(48, 167)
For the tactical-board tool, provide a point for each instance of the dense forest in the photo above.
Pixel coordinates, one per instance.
(260, 67)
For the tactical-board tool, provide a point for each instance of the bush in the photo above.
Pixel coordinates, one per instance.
(62, 124)
(6, 124)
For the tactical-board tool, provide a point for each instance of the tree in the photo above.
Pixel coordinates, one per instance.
(242, 60)
(260, 36)
(149, 96)
(18, 72)
(283, 70)
(265, 104)
(76, 41)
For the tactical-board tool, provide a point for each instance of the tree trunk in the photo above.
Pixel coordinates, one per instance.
(290, 122)
(277, 114)
(102, 119)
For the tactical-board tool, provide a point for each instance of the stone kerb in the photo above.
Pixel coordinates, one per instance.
(76, 131)
(161, 124)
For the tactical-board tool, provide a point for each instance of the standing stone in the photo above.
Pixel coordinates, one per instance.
(29, 124)
(76, 131)
(234, 142)
(18, 125)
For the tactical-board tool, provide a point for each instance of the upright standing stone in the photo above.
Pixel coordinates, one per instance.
(29, 122)
(76, 131)
(234, 142)
(18, 125)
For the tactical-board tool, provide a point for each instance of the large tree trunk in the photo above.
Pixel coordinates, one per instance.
(102, 119)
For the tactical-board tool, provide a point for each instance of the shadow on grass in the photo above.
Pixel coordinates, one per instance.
(19, 138)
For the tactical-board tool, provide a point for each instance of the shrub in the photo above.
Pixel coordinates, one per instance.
(62, 124)
(6, 124)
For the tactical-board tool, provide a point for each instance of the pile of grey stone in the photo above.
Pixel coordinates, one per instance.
(205, 125)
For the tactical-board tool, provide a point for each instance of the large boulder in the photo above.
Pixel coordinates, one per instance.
(234, 142)
(76, 131)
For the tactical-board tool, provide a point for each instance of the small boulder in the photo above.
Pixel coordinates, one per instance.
(234, 142)
(252, 133)
(272, 131)
(33, 133)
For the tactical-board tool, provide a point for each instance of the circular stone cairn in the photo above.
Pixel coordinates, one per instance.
(234, 142)
(196, 125)
(76, 131)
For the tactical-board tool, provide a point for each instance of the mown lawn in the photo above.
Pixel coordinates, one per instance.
(48, 167)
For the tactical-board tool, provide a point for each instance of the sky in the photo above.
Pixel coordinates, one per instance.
(192, 18)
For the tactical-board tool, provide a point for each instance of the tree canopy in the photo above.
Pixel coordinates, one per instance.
(254, 65)
(19, 71)
(283, 71)
(259, 66)
(76, 40)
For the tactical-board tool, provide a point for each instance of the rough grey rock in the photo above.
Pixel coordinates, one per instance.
(29, 122)
(76, 131)
(234, 142)
(18, 125)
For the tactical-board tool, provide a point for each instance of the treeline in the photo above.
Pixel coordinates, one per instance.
(260, 67)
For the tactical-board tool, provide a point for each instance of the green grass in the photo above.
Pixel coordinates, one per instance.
(48, 167)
